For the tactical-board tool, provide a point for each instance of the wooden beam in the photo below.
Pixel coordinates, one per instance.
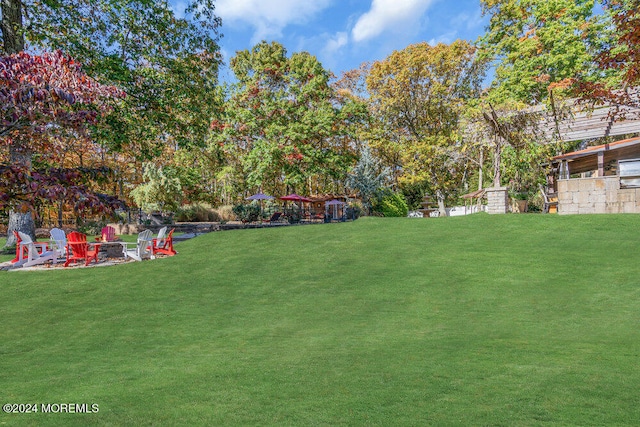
(601, 163)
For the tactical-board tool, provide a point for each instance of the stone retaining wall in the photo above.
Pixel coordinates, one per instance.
(186, 227)
(596, 195)
(191, 227)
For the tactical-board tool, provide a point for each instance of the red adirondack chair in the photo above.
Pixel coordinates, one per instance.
(164, 245)
(78, 248)
(19, 248)
(108, 234)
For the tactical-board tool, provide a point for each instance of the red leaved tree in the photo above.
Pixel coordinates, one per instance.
(44, 98)
(620, 57)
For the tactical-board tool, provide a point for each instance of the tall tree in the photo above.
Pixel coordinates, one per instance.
(418, 94)
(368, 177)
(161, 190)
(383, 142)
(283, 125)
(11, 27)
(167, 65)
(504, 128)
(536, 45)
(42, 98)
(618, 60)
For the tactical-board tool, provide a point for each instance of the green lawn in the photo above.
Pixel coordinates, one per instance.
(479, 320)
(4, 258)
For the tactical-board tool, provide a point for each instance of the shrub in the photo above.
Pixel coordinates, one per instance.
(247, 213)
(353, 211)
(225, 213)
(391, 205)
(414, 194)
(161, 189)
(206, 214)
(185, 214)
(91, 228)
(368, 177)
(196, 213)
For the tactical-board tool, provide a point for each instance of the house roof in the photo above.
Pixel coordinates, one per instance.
(587, 159)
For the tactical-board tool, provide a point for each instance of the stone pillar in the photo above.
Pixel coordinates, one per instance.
(497, 200)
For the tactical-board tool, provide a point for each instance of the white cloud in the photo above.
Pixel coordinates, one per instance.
(468, 21)
(330, 48)
(335, 43)
(268, 17)
(389, 15)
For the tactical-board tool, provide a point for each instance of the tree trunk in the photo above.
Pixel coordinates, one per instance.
(441, 207)
(13, 42)
(11, 26)
(497, 158)
(481, 170)
(60, 212)
(20, 221)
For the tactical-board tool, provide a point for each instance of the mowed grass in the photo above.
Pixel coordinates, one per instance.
(5, 257)
(479, 320)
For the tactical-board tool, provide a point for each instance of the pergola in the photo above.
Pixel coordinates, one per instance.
(591, 124)
(585, 124)
(478, 195)
(570, 121)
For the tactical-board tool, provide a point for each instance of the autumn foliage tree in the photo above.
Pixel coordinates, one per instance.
(44, 100)
(618, 61)
(283, 126)
(536, 45)
(538, 48)
(166, 64)
(418, 94)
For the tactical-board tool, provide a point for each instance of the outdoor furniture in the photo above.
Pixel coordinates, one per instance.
(78, 248)
(36, 252)
(163, 245)
(159, 239)
(19, 248)
(275, 217)
(311, 217)
(108, 234)
(58, 242)
(143, 247)
(260, 197)
(550, 204)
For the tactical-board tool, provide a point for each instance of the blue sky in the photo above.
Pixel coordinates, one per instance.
(344, 33)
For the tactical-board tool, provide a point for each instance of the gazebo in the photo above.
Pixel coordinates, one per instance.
(334, 204)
